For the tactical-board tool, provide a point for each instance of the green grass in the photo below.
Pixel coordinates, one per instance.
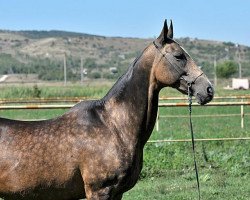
(168, 167)
(215, 184)
(88, 90)
(93, 90)
(31, 114)
(204, 127)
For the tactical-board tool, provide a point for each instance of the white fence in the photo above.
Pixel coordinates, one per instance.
(35, 104)
(241, 114)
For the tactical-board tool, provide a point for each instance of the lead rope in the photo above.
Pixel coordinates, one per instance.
(192, 136)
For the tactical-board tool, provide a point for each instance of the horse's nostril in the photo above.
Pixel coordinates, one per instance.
(210, 90)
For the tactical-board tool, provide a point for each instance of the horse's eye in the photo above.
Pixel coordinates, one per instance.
(179, 56)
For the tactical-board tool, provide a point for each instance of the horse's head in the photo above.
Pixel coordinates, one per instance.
(174, 67)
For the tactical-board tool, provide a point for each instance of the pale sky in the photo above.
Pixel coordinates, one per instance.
(223, 20)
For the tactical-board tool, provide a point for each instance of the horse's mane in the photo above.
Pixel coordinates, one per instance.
(121, 83)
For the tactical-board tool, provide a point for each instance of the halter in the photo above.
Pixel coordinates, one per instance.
(189, 80)
(169, 57)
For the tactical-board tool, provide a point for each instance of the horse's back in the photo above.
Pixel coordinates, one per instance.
(47, 154)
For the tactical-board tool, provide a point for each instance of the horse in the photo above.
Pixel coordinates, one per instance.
(95, 150)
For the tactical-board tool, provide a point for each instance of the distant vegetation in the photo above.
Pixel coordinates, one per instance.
(41, 52)
(53, 33)
(226, 69)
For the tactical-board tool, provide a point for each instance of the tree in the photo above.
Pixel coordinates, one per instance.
(226, 69)
(90, 63)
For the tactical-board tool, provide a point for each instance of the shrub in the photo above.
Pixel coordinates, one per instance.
(226, 69)
(95, 75)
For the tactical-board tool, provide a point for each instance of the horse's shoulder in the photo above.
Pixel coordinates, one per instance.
(90, 112)
(87, 105)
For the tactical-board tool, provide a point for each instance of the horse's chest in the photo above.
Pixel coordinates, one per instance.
(132, 171)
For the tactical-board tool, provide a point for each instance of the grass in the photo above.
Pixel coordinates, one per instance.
(178, 127)
(215, 184)
(168, 167)
(88, 90)
(31, 114)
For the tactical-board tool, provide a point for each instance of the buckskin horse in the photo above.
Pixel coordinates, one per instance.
(95, 150)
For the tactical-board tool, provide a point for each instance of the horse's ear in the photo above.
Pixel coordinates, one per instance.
(164, 34)
(170, 31)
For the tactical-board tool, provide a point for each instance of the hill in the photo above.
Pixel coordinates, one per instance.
(42, 52)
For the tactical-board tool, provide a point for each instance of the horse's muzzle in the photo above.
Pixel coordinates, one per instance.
(203, 90)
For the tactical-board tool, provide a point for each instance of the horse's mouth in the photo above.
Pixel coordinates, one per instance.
(202, 100)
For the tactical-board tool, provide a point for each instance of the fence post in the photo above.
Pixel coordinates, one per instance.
(157, 119)
(242, 114)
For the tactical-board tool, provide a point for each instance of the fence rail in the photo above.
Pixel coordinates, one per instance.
(78, 99)
(44, 100)
(241, 114)
(18, 107)
(216, 97)
(182, 104)
(65, 106)
(161, 104)
(199, 140)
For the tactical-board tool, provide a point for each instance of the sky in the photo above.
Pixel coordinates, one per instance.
(222, 20)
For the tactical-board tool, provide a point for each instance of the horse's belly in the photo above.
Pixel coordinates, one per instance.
(45, 194)
(71, 189)
(18, 176)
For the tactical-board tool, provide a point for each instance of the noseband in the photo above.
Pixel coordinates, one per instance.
(171, 60)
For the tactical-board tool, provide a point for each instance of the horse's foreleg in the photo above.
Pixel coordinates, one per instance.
(98, 194)
(118, 197)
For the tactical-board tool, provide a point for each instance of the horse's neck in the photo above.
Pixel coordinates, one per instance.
(133, 101)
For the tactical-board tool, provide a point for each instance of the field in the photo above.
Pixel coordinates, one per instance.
(224, 166)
